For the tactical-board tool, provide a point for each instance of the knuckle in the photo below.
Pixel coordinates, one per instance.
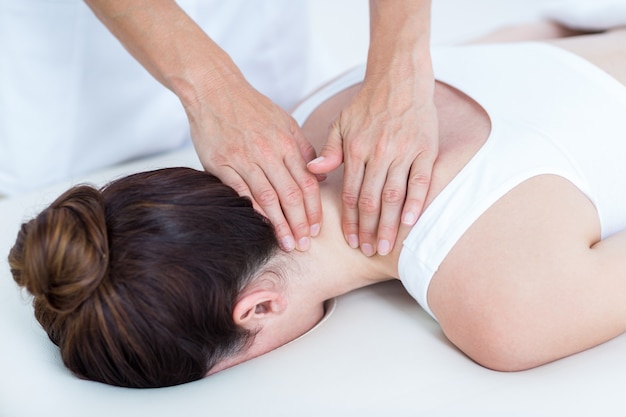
(300, 229)
(366, 234)
(393, 196)
(266, 197)
(368, 205)
(380, 148)
(349, 200)
(314, 215)
(288, 147)
(419, 179)
(309, 184)
(356, 149)
(351, 226)
(385, 230)
(265, 150)
(292, 196)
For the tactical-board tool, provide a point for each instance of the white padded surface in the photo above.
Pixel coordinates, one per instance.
(377, 354)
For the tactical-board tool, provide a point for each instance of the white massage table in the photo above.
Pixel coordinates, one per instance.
(376, 354)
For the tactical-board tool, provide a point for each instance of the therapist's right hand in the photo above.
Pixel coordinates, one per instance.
(255, 147)
(240, 135)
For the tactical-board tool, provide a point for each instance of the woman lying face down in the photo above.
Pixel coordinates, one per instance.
(166, 276)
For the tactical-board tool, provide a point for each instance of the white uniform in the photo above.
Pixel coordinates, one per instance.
(72, 100)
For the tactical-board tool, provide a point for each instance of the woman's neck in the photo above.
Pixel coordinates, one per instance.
(331, 267)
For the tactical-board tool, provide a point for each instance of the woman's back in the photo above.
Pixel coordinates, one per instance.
(499, 272)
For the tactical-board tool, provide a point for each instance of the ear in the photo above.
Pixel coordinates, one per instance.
(257, 305)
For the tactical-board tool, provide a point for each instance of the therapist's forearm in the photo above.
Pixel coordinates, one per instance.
(400, 37)
(170, 45)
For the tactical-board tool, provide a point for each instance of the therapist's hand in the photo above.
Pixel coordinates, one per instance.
(258, 149)
(388, 136)
(240, 136)
(388, 140)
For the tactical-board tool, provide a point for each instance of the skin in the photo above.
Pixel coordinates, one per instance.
(258, 149)
(547, 308)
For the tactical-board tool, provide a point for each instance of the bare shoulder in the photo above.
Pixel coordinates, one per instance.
(536, 226)
(505, 273)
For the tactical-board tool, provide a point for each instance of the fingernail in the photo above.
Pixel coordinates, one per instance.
(288, 243)
(367, 249)
(353, 241)
(304, 243)
(315, 229)
(409, 218)
(383, 247)
(316, 160)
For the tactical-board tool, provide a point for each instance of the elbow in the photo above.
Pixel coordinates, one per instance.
(500, 342)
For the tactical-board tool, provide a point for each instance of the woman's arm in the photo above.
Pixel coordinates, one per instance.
(240, 135)
(530, 281)
(387, 137)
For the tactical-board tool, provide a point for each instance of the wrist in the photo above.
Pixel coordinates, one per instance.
(202, 81)
(399, 38)
(399, 60)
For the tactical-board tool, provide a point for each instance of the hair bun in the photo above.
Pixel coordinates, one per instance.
(61, 256)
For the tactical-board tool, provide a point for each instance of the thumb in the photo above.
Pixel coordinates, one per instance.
(331, 155)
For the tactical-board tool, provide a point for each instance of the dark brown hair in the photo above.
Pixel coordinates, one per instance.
(136, 282)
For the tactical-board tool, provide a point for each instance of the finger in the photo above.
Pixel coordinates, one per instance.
(352, 180)
(370, 206)
(230, 177)
(306, 149)
(417, 188)
(331, 155)
(264, 194)
(392, 201)
(309, 186)
(291, 200)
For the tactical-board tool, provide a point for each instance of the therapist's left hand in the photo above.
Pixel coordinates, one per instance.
(388, 140)
(255, 147)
